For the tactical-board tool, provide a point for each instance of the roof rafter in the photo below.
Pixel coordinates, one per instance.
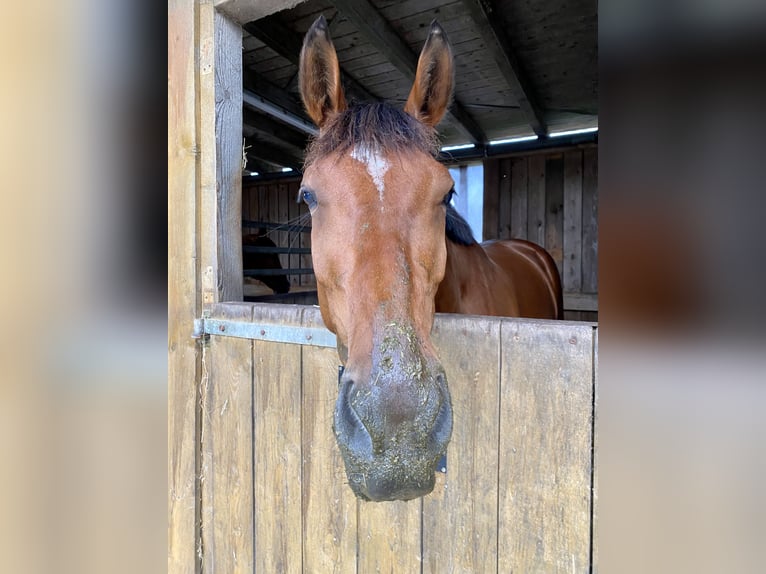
(492, 31)
(288, 44)
(379, 32)
(257, 150)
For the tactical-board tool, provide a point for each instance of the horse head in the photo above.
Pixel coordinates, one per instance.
(377, 198)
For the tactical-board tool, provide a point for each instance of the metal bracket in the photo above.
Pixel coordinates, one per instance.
(297, 335)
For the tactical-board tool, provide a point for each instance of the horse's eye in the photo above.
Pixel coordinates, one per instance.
(448, 197)
(307, 196)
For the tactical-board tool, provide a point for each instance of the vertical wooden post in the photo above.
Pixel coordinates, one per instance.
(220, 99)
(183, 359)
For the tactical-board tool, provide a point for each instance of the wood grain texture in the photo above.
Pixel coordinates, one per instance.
(277, 451)
(183, 355)
(329, 505)
(460, 516)
(545, 439)
(572, 278)
(389, 537)
(207, 200)
(228, 156)
(536, 199)
(554, 208)
(227, 449)
(594, 506)
(590, 221)
(519, 198)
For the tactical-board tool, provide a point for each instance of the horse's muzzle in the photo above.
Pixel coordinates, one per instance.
(390, 447)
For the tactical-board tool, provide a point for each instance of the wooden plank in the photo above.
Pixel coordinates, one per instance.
(227, 449)
(183, 356)
(277, 450)
(208, 201)
(590, 221)
(594, 506)
(545, 436)
(273, 216)
(572, 278)
(490, 219)
(460, 517)
(244, 11)
(228, 152)
(505, 192)
(389, 536)
(519, 198)
(581, 301)
(554, 208)
(536, 199)
(329, 505)
(263, 205)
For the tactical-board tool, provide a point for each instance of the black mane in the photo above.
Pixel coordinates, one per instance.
(377, 126)
(458, 230)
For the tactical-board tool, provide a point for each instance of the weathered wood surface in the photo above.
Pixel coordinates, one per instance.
(460, 516)
(517, 492)
(572, 278)
(183, 357)
(551, 200)
(277, 450)
(228, 155)
(219, 98)
(545, 448)
(227, 449)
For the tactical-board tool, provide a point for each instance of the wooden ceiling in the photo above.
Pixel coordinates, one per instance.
(522, 67)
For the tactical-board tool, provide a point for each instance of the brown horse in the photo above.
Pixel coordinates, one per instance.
(388, 252)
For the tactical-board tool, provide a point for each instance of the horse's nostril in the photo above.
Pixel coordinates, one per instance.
(349, 428)
(442, 429)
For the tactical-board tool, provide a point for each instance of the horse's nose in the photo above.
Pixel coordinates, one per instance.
(380, 486)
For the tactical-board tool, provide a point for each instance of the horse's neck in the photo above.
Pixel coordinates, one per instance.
(469, 278)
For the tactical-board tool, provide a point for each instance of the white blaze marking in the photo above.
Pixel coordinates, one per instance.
(376, 164)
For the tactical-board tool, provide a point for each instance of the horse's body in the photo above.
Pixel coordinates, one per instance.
(388, 251)
(513, 278)
(254, 260)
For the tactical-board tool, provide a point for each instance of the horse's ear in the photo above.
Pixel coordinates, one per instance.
(432, 91)
(319, 75)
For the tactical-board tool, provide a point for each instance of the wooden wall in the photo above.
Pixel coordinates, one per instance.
(517, 496)
(276, 202)
(550, 199)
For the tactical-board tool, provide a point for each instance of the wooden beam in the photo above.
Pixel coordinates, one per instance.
(268, 153)
(183, 283)
(264, 124)
(379, 32)
(490, 25)
(272, 32)
(220, 105)
(243, 11)
(260, 86)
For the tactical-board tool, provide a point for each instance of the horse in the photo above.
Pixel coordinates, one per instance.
(388, 252)
(257, 260)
